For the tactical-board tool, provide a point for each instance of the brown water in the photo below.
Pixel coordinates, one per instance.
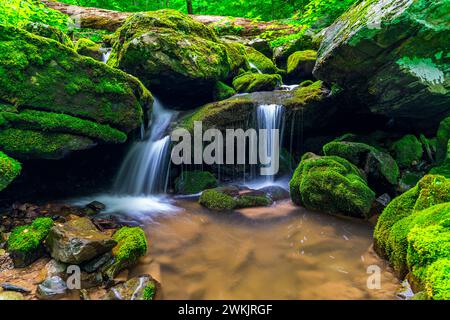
(281, 252)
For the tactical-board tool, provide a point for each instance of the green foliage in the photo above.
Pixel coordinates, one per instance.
(19, 13)
(321, 13)
(9, 170)
(191, 182)
(331, 184)
(27, 238)
(56, 122)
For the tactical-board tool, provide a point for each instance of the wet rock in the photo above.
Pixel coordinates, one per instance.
(230, 197)
(300, 65)
(139, 288)
(96, 263)
(380, 203)
(398, 65)
(91, 280)
(9, 295)
(252, 82)
(275, 193)
(96, 206)
(52, 288)
(262, 45)
(12, 287)
(55, 268)
(191, 182)
(77, 241)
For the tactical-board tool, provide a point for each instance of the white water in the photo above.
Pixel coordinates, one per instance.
(106, 52)
(252, 65)
(270, 117)
(145, 170)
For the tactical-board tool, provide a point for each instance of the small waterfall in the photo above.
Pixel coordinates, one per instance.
(253, 66)
(106, 52)
(270, 116)
(145, 170)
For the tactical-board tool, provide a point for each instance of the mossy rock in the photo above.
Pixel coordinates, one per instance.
(9, 170)
(89, 48)
(264, 64)
(390, 234)
(331, 184)
(300, 65)
(43, 74)
(408, 180)
(381, 169)
(138, 288)
(191, 182)
(229, 198)
(407, 151)
(442, 141)
(173, 54)
(46, 31)
(215, 199)
(25, 244)
(249, 201)
(29, 144)
(131, 245)
(437, 280)
(392, 56)
(282, 52)
(222, 91)
(252, 82)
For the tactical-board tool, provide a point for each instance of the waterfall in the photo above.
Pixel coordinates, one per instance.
(145, 170)
(270, 116)
(106, 52)
(253, 66)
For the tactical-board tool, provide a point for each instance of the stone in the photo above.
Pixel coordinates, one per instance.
(261, 45)
(192, 182)
(10, 295)
(77, 241)
(138, 288)
(300, 65)
(52, 288)
(252, 82)
(275, 193)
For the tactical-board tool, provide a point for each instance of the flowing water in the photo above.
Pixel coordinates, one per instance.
(280, 252)
(145, 170)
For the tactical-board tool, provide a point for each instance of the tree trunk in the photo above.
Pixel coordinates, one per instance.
(189, 7)
(96, 18)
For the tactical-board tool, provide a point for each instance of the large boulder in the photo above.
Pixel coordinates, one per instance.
(77, 241)
(80, 101)
(174, 55)
(260, 61)
(392, 56)
(300, 65)
(331, 184)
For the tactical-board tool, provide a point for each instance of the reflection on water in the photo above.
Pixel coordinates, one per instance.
(282, 252)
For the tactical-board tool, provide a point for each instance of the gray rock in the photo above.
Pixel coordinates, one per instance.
(52, 288)
(138, 288)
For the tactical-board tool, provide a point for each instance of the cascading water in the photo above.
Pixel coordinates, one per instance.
(145, 170)
(253, 66)
(270, 117)
(106, 52)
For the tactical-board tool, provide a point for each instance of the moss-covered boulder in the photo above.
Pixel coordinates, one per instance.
(191, 182)
(300, 65)
(46, 31)
(281, 53)
(390, 234)
(138, 288)
(260, 61)
(391, 55)
(331, 184)
(221, 91)
(25, 244)
(9, 170)
(173, 54)
(229, 198)
(89, 48)
(381, 169)
(75, 95)
(407, 151)
(252, 82)
(131, 245)
(442, 141)
(444, 167)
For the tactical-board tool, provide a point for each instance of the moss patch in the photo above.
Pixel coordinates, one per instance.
(89, 48)
(9, 170)
(264, 64)
(215, 200)
(252, 82)
(222, 91)
(407, 150)
(191, 182)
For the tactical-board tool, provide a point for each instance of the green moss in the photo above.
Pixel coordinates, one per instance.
(43, 74)
(442, 141)
(376, 162)
(9, 170)
(407, 150)
(301, 62)
(149, 291)
(27, 144)
(252, 82)
(306, 95)
(25, 242)
(89, 48)
(191, 182)
(49, 32)
(215, 200)
(248, 201)
(264, 64)
(222, 91)
(55, 122)
(331, 184)
(437, 280)
(131, 245)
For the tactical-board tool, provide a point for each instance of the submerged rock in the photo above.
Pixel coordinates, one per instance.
(25, 244)
(391, 55)
(177, 56)
(138, 288)
(331, 184)
(52, 288)
(77, 241)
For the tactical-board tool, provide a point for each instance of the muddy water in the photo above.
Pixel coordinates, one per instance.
(281, 252)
